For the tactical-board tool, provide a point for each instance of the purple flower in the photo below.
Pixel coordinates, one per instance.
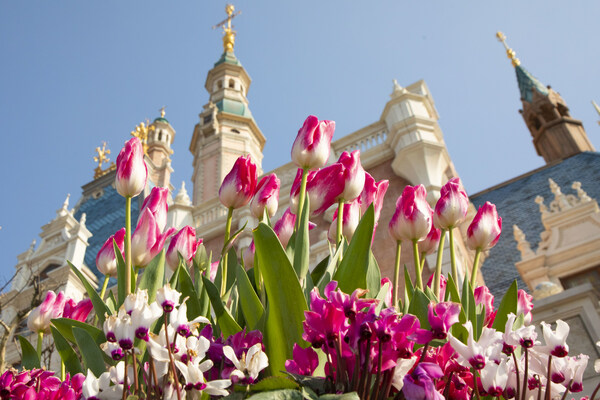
(305, 361)
(441, 317)
(420, 385)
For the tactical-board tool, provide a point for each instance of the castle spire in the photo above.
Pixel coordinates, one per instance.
(228, 32)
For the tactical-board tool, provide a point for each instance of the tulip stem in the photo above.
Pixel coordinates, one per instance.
(127, 245)
(396, 273)
(475, 267)
(438, 265)
(340, 227)
(62, 370)
(452, 256)
(40, 341)
(104, 286)
(301, 196)
(224, 258)
(419, 281)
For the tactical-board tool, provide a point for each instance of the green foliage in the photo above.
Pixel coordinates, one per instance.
(29, 357)
(251, 306)
(121, 289)
(65, 327)
(100, 307)
(302, 243)
(267, 384)
(153, 277)
(187, 289)
(90, 352)
(67, 354)
(507, 305)
(225, 320)
(419, 307)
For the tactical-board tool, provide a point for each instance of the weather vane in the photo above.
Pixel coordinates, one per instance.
(228, 32)
(162, 111)
(102, 158)
(510, 53)
(141, 132)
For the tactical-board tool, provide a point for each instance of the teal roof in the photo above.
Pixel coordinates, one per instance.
(161, 119)
(229, 58)
(527, 82)
(233, 107)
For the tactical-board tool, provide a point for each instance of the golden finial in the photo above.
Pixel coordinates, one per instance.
(228, 32)
(102, 158)
(141, 132)
(162, 112)
(510, 53)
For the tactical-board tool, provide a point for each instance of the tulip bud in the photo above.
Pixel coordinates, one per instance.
(249, 256)
(431, 241)
(373, 193)
(524, 305)
(147, 241)
(239, 185)
(325, 188)
(354, 175)
(313, 143)
(284, 227)
(350, 219)
(132, 172)
(266, 197)
(77, 311)
(52, 307)
(484, 231)
(451, 209)
(106, 261)
(413, 217)
(184, 243)
(484, 297)
(157, 203)
(295, 189)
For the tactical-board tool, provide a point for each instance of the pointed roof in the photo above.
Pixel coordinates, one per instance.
(527, 82)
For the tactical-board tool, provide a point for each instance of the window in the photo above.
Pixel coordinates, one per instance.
(235, 131)
(219, 84)
(232, 84)
(44, 274)
(591, 276)
(207, 118)
(160, 136)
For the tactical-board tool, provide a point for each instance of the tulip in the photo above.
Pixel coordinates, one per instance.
(184, 243)
(147, 241)
(452, 206)
(373, 193)
(284, 227)
(157, 203)
(77, 311)
(52, 307)
(525, 305)
(483, 233)
(105, 259)
(354, 175)
(312, 145)
(266, 197)
(239, 185)
(484, 297)
(350, 219)
(132, 172)
(295, 189)
(325, 188)
(431, 241)
(248, 256)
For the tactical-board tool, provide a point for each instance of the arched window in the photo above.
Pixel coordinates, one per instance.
(160, 136)
(45, 272)
(232, 84)
(219, 84)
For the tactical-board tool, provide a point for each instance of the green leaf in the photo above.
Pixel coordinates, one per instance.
(287, 304)
(285, 394)
(419, 308)
(330, 269)
(100, 307)
(352, 272)
(232, 263)
(343, 396)
(224, 319)
(111, 302)
(302, 243)
(90, 352)
(67, 354)
(186, 287)
(65, 327)
(507, 305)
(269, 383)
(381, 297)
(319, 270)
(373, 276)
(174, 278)
(29, 356)
(229, 244)
(409, 289)
(121, 289)
(251, 305)
(153, 276)
(452, 290)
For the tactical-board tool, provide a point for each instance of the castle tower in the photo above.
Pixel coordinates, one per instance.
(556, 135)
(226, 129)
(158, 151)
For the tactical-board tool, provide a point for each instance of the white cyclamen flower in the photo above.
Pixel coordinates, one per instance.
(252, 362)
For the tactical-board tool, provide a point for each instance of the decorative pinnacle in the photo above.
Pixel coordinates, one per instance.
(510, 53)
(228, 32)
(162, 112)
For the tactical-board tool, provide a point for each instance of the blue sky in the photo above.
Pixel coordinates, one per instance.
(74, 74)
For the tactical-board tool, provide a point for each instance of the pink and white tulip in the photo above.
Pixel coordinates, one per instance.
(354, 175)
(484, 231)
(313, 143)
(351, 217)
(239, 185)
(451, 209)
(413, 217)
(77, 311)
(525, 305)
(266, 197)
(132, 171)
(484, 297)
(156, 202)
(431, 241)
(325, 188)
(147, 240)
(284, 227)
(184, 242)
(52, 307)
(106, 261)
(295, 189)
(373, 193)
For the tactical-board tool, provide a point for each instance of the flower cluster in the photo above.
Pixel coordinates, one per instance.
(57, 306)
(38, 384)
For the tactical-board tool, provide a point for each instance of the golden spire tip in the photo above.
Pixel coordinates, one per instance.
(510, 53)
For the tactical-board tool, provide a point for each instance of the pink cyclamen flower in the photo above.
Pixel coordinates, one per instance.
(52, 307)
(484, 297)
(147, 241)
(431, 241)
(350, 220)
(525, 305)
(354, 175)
(239, 185)
(106, 261)
(132, 171)
(441, 317)
(484, 231)
(451, 209)
(266, 197)
(305, 361)
(373, 193)
(413, 217)
(313, 143)
(556, 341)
(157, 203)
(77, 311)
(184, 243)
(295, 189)
(420, 384)
(325, 188)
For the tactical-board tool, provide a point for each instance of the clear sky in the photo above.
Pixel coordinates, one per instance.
(75, 73)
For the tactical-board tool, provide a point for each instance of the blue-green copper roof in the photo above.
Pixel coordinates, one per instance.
(527, 82)
(229, 58)
(161, 119)
(233, 107)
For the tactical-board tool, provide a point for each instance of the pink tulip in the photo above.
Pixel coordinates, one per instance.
(184, 243)
(484, 231)
(295, 189)
(147, 241)
(349, 221)
(443, 284)
(388, 296)
(77, 311)
(239, 185)
(354, 175)
(313, 143)
(451, 209)
(214, 268)
(266, 197)
(106, 261)
(248, 256)
(413, 217)
(325, 188)
(132, 172)
(52, 307)
(284, 227)
(373, 193)
(157, 203)
(431, 241)
(484, 297)
(525, 305)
